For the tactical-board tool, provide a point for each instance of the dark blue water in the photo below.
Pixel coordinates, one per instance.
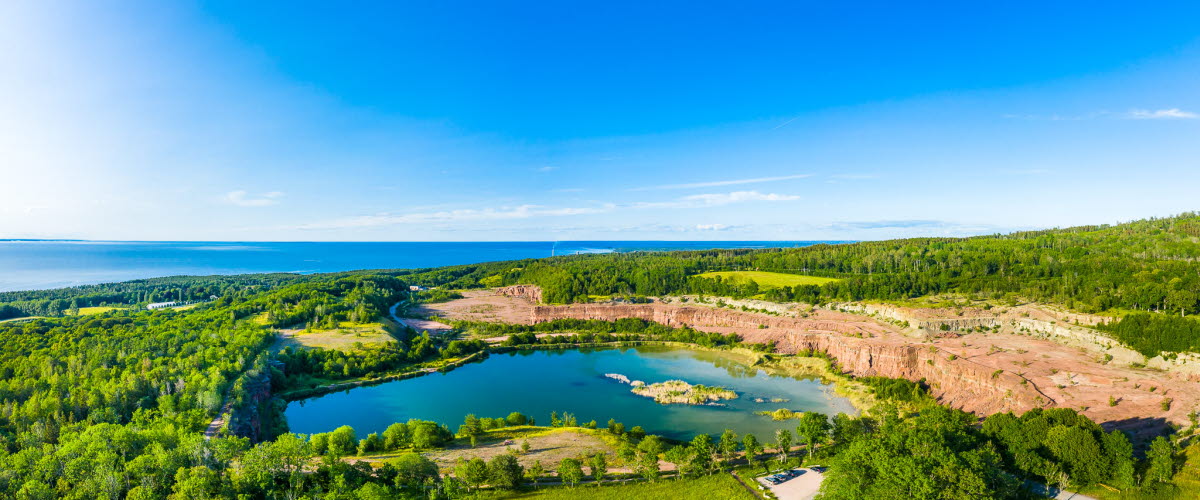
(27, 265)
(539, 382)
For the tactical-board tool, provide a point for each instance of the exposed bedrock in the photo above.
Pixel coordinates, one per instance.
(1036, 358)
(959, 383)
(530, 292)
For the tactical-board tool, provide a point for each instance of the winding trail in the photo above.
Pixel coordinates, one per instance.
(392, 311)
(744, 485)
(417, 325)
(214, 427)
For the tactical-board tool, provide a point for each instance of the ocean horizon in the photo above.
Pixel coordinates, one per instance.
(33, 264)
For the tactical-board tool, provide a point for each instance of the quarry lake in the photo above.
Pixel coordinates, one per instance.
(538, 382)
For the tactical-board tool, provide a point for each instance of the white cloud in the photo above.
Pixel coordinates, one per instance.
(711, 227)
(1137, 114)
(530, 211)
(1161, 114)
(547, 169)
(266, 199)
(462, 215)
(716, 200)
(724, 183)
(738, 197)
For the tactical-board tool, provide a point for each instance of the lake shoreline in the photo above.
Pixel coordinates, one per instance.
(766, 384)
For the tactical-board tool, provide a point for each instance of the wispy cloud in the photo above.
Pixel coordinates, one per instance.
(730, 182)
(784, 124)
(241, 199)
(463, 215)
(912, 227)
(716, 199)
(1136, 114)
(1161, 114)
(531, 211)
(738, 197)
(887, 224)
(547, 168)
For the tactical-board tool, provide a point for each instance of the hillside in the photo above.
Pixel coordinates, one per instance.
(1148, 266)
(128, 403)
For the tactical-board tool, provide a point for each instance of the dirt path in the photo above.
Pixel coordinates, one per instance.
(214, 427)
(418, 325)
(744, 485)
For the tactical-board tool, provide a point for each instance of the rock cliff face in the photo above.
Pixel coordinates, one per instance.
(697, 317)
(532, 293)
(1058, 329)
(1024, 357)
(960, 383)
(246, 420)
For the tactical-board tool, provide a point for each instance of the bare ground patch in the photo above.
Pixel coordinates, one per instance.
(982, 372)
(345, 337)
(549, 446)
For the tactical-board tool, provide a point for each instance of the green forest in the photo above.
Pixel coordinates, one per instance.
(1150, 266)
(115, 404)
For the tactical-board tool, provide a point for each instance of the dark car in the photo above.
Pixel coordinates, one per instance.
(819, 469)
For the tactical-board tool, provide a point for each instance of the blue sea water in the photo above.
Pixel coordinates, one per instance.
(30, 265)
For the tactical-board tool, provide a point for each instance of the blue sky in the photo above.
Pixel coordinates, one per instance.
(592, 120)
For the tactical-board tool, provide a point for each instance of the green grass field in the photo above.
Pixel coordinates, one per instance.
(84, 311)
(768, 279)
(721, 486)
(343, 337)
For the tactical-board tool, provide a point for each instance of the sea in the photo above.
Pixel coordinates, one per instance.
(42, 264)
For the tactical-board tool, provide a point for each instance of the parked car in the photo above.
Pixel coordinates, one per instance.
(819, 469)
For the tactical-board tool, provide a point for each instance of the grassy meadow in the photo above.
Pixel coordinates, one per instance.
(722, 486)
(767, 279)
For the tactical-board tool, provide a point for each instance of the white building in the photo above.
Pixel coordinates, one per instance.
(160, 305)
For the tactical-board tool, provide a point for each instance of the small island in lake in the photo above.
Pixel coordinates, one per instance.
(676, 391)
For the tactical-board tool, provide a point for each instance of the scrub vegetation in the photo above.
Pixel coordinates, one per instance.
(766, 280)
(115, 404)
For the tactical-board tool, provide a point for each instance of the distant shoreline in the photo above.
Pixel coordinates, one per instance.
(41, 264)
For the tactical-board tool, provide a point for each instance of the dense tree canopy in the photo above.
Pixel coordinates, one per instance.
(1149, 266)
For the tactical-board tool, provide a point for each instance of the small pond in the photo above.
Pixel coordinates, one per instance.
(536, 382)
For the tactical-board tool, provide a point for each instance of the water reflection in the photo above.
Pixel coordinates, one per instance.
(572, 380)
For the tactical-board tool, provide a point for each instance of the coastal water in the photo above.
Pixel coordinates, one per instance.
(538, 382)
(29, 265)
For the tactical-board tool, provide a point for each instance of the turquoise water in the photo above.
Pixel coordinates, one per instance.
(29, 265)
(538, 382)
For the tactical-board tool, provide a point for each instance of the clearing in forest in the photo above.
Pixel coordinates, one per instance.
(702, 488)
(344, 337)
(84, 311)
(766, 279)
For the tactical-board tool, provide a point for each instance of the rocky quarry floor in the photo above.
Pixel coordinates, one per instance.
(981, 361)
